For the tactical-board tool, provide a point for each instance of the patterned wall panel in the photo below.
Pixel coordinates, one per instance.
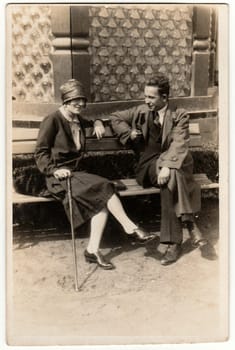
(130, 43)
(127, 45)
(32, 71)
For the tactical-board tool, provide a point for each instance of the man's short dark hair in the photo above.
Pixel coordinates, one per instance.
(161, 82)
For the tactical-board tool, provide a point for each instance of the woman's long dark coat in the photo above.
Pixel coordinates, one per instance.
(56, 149)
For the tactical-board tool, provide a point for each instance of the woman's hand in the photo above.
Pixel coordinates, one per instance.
(61, 174)
(99, 129)
(163, 176)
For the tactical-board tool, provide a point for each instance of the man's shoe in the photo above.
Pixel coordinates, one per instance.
(196, 237)
(142, 236)
(98, 259)
(172, 254)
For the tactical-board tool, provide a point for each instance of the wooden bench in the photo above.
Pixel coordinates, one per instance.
(26, 127)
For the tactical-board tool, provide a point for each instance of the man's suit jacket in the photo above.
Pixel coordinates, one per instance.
(175, 136)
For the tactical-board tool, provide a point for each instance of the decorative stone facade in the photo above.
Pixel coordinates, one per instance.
(128, 43)
(32, 71)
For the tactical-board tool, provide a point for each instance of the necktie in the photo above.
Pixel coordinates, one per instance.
(156, 119)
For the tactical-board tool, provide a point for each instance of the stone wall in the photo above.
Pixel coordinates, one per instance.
(32, 71)
(130, 43)
(127, 44)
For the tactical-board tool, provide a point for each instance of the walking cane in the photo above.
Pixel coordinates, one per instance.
(72, 232)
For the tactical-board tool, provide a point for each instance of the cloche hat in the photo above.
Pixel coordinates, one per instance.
(71, 90)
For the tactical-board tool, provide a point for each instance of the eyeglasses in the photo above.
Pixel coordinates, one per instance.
(78, 102)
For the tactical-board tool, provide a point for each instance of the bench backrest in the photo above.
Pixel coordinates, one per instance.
(24, 140)
(26, 124)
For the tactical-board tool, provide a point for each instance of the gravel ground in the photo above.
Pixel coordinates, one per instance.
(140, 302)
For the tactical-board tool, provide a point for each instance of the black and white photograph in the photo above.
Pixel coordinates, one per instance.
(117, 229)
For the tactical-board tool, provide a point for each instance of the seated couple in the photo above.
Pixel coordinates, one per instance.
(159, 136)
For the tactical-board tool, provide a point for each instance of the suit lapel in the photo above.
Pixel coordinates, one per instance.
(167, 125)
(141, 122)
(145, 125)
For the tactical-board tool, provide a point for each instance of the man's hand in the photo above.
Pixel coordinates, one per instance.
(99, 129)
(163, 176)
(62, 173)
(134, 134)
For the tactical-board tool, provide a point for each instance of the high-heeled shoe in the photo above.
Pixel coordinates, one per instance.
(98, 259)
(142, 236)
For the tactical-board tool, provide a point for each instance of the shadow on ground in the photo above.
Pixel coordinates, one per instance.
(37, 223)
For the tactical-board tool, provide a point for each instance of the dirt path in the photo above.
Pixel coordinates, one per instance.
(138, 302)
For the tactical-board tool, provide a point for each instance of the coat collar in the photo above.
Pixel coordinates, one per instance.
(67, 129)
(65, 124)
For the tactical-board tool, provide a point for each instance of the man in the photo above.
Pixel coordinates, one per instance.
(160, 136)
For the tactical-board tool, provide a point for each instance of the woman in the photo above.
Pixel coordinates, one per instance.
(60, 148)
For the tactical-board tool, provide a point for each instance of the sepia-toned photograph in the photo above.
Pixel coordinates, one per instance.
(117, 174)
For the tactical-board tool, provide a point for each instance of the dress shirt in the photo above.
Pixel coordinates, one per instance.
(161, 113)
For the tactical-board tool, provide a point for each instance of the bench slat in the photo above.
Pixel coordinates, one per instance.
(24, 134)
(24, 140)
(194, 129)
(29, 134)
(23, 147)
(133, 189)
(105, 144)
(201, 179)
(19, 198)
(192, 104)
(138, 191)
